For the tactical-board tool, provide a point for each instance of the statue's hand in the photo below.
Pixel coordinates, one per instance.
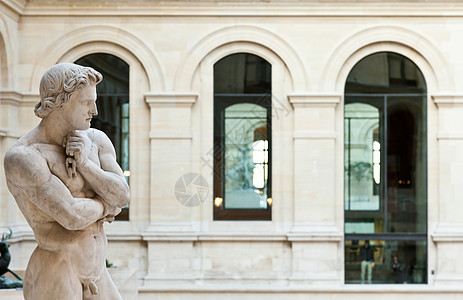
(75, 147)
(110, 211)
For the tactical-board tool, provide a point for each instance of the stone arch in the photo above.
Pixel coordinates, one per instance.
(63, 48)
(100, 47)
(385, 38)
(241, 34)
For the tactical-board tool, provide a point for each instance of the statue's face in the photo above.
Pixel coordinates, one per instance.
(81, 107)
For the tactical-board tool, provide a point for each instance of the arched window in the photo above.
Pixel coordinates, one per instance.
(385, 200)
(113, 107)
(242, 138)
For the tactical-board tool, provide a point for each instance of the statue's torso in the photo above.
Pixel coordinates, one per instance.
(85, 248)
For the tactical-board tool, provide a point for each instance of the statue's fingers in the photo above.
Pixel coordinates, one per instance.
(75, 139)
(69, 151)
(74, 168)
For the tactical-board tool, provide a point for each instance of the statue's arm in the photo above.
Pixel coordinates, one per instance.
(107, 181)
(27, 173)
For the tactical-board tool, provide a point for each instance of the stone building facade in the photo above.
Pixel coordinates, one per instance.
(300, 240)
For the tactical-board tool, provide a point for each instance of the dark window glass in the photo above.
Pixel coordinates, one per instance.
(386, 261)
(242, 138)
(113, 107)
(385, 161)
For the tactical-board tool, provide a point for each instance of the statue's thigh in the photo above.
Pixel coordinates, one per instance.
(50, 278)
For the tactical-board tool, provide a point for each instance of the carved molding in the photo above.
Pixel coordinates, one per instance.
(448, 233)
(447, 99)
(315, 232)
(185, 99)
(18, 99)
(314, 99)
(237, 8)
(16, 5)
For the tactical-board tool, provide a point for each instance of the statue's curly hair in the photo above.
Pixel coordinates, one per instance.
(60, 82)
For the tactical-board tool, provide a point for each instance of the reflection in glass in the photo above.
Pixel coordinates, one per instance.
(394, 261)
(406, 164)
(245, 158)
(242, 138)
(385, 166)
(113, 106)
(361, 123)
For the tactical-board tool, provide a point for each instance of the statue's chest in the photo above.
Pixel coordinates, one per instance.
(56, 159)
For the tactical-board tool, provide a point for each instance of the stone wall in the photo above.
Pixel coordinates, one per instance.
(171, 48)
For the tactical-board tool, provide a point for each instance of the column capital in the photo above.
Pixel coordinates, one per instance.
(298, 99)
(187, 99)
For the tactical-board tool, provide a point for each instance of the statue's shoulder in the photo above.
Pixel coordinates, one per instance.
(95, 134)
(100, 139)
(25, 164)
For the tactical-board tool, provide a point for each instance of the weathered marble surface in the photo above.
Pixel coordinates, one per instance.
(66, 181)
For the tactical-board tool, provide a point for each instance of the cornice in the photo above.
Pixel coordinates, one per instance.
(3, 132)
(240, 8)
(16, 99)
(170, 98)
(448, 233)
(17, 6)
(309, 99)
(447, 99)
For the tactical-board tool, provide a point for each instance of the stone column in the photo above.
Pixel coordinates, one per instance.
(169, 243)
(448, 235)
(315, 237)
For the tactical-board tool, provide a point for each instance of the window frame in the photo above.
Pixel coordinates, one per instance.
(386, 236)
(221, 102)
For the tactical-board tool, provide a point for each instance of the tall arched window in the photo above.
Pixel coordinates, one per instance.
(242, 138)
(113, 107)
(385, 200)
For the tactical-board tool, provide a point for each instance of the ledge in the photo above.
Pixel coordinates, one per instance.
(170, 98)
(450, 135)
(16, 99)
(311, 99)
(315, 232)
(447, 99)
(448, 233)
(183, 135)
(306, 288)
(242, 237)
(240, 8)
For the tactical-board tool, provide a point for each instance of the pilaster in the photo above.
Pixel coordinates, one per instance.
(170, 247)
(448, 235)
(315, 238)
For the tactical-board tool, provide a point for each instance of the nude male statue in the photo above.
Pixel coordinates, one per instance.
(66, 181)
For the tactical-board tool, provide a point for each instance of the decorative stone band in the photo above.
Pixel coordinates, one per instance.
(312, 99)
(447, 99)
(447, 103)
(181, 99)
(448, 233)
(160, 103)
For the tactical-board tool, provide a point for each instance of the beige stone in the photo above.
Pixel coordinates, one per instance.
(171, 47)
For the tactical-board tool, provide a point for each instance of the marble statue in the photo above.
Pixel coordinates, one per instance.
(67, 183)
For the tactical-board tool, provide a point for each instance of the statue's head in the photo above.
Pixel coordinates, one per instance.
(60, 82)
